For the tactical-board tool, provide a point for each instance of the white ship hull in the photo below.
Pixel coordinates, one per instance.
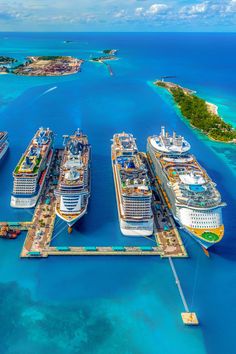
(24, 202)
(4, 149)
(73, 220)
(133, 229)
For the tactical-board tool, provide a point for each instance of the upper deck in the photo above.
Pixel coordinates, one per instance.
(35, 154)
(165, 143)
(189, 181)
(132, 171)
(74, 167)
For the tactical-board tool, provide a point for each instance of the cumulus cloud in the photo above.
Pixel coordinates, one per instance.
(123, 12)
(156, 8)
(194, 10)
(139, 11)
(151, 11)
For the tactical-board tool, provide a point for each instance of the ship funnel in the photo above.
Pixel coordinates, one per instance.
(163, 131)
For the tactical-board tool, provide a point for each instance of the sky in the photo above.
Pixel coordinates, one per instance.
(120, 15)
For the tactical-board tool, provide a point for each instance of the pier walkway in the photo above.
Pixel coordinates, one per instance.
(165, 230)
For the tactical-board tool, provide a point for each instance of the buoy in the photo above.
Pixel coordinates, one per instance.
(70, 229)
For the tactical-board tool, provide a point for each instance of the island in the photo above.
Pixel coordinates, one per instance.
(49, 66)
(103, 58)
(201, 114)
(7, 60)
(4, 70)
(110, 51)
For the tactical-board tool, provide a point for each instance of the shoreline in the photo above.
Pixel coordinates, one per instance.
(212, 108)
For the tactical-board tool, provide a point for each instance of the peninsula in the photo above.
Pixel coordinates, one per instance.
(49, 66)
(200, 113)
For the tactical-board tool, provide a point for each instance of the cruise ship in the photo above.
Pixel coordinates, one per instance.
(4, 144)
(133, 192)
(190, 193)
(30, 172)
(73, 190)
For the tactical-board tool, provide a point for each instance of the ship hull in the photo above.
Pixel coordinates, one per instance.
(133, 229)
(200, 241)
(24, 202)
(73, 221)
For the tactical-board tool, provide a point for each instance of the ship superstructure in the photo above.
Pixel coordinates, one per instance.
(133, 193)
(30, 173)
(4, 143)
(73, 189)
(191, 194)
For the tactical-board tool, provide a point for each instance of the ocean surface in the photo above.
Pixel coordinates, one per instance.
(117, 305)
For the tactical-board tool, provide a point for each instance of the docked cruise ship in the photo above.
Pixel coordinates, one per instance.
(190, 193)
(4, 144)
(73, 189)
(30, 173)
(133, 193)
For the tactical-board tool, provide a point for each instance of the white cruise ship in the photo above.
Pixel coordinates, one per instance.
(4, 143)
(190, 193)
(133, 193)
(73, 189)
(30, 173)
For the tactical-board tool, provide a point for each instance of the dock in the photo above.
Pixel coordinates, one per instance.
(165, 230)
(39, 237)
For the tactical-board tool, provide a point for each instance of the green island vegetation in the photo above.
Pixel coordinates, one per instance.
(108, 51)
(51, 57)
(7, 60)
(196, 111)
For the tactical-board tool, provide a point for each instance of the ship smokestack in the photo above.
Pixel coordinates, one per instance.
(163, 131)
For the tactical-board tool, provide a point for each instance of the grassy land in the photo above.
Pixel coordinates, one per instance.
(196, 111)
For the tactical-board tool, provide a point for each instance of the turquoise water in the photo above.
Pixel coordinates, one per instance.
(117, 305)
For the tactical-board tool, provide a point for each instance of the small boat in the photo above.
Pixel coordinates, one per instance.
(7, 233)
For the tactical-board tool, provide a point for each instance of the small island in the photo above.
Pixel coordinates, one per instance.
(103, 58)
(200, 113)
(49, 66)
(110, 51)
(7, 60)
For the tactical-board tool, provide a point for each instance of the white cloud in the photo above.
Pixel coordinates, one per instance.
(194, 10)
(120, 14)
(198, 8)
(139, 11)
(156, 9)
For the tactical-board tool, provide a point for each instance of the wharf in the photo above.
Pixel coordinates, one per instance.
(19, 225)
(165, 230)
(39, 236)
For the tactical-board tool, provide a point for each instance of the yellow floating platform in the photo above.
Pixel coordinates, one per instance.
(189, 318)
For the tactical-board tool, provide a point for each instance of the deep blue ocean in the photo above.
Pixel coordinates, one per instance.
(117, 305)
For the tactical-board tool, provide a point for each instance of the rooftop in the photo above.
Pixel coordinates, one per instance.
(35, 152)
